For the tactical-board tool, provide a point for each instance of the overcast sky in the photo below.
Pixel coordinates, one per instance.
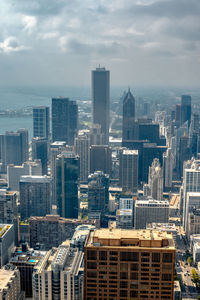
(58, 42)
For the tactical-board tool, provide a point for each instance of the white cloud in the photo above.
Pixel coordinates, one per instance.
(11, 44)
(29, 23)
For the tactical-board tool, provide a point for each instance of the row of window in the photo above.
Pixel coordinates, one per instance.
(130, 256)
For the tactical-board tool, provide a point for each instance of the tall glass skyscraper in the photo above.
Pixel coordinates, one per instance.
(67, 174)
(41, 122)
(64, 120)
(101, 100)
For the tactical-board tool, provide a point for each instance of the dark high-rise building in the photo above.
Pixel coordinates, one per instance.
(67, 174)
(40, 150)
(98, 192)
(144, 129)
(41, 122)
(64, 120)
(184, 153)
(128, 116)
(101, 100)
(186, 109)
(14, 148)
(101, 159)
(35, 196)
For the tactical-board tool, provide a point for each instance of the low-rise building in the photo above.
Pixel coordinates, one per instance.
(124, 218)
(150, 211)
(51, 230)
(25, 259)
(10, 283)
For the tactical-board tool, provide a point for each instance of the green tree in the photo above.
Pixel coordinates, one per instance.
(195, 277)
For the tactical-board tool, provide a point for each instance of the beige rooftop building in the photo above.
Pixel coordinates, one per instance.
(129, 264)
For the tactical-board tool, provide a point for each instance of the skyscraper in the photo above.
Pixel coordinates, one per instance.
(40, 150)
(35, 196)
(14, 148)
(98, 192)
(101, 100)
(64, 120)
(82, 149)
(67, 174)
(128, 116)
(101, 159)
(186, 109)
(129, 170)
(41, 122)
(156, 180)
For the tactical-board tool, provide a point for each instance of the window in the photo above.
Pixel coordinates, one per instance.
(167, 257)
(91, 274)
(134, 267)
(91, 255)
(123, 267)
(123, 293)
(123, 275)
(123, 285)
(133, 293)
(129, 256)
(134, 275)
(102, 255)
(155, 257)
(166, 277)
(91, 265)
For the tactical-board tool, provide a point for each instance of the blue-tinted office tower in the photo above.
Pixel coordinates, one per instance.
(186, 109)
(41, 125)
(40, 150)
(101, 100)
(64, 120)
(67, 175)
(14, 148)
(128, 116)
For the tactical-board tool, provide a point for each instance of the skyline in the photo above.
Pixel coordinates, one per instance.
(153, 43)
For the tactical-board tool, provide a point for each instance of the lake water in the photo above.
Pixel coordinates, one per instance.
(14, 98)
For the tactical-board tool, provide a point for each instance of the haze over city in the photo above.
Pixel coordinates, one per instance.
(58, 42)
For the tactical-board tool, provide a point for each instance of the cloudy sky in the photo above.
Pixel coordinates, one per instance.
(58, 42)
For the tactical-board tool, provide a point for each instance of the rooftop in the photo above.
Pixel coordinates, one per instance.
(130, 152)
(130, 238)
(35, 179)
(6, 274)
(4, 228)
(152, 202)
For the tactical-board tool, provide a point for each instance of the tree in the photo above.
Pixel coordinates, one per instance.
(195, 277)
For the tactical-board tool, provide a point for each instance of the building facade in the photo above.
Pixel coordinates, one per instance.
(129, 171)
(128, 116)
(82, 149)
(14, 148)
(41, 124)
(35, 196)
(101, 159)
(67, 176)
(150, 211)
(129, 264)
(64, 120)
(101, 100)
